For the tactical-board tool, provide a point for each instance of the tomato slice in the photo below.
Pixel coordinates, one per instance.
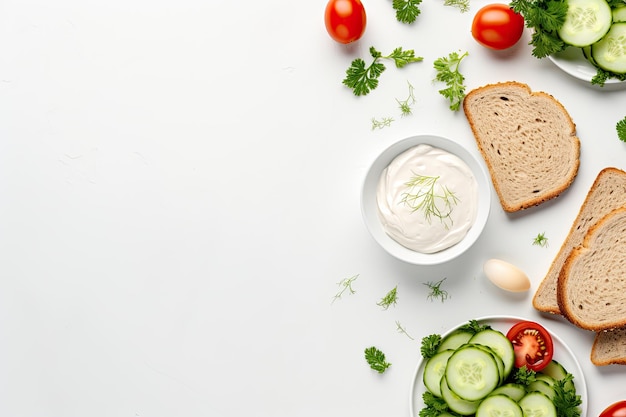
(617, 409)
(532, 344)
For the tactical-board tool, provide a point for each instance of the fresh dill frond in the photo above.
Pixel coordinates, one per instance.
(425, 195)
(381, 123)
(391, 298)
(403, 330)
(345, 285)
(405, 105)
(541, 240)
(436, 292)
(462, 5)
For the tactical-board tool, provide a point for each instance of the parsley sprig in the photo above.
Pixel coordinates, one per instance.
(620, 127)
(429, 345)
(435, 406)
(566, 400)
(448, 72)
(544, 17)
(362, 79)
(376, 359)
(406, 10)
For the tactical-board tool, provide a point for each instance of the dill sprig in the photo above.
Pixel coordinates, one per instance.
(405, 105)
(403, 330)
(541, 240)
(345, 285)
(383, 122)
(436, 292)
(462, 5)
(424, 195)
(391, 298)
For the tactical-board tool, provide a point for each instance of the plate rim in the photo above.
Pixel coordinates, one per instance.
(564, 60)
(580, 390)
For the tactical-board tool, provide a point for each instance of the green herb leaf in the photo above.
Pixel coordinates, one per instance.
(474, 327)
(429, 345)
(345, 285)
(524, 376)
(405, 105)
(391, 298)
(383, 122)
(462, 5)
(620, 127)
(566, 400)
(545, 17)
(376, 359)
(406, 10)
(541, 240)
(402, 58)
(403, 330)
(435, 406)
(436, 291)
(448, 72)
(425, 195)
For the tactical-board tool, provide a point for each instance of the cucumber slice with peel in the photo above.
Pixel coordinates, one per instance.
(586, 22)
(434, 370)
(499, 405)
(610, 52)
(619, 14)
(472, 373)
(499, 343)
(536, 404)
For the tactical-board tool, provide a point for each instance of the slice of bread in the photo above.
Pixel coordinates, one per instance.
(528, 141)
(609, 348)
(591, 290)
(607, 193)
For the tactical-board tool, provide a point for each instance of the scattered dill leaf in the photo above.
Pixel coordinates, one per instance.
(391, 298)
(436, 292)
(345, 285)
(426, 196)
(620, 127)
(403, 330)
(462, 5)
(405, 105)
(406, 10)
(379, 124)
(541, 240)
(429, 346)
(448, 72)
(376, 359)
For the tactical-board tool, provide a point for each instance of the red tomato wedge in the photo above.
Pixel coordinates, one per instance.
(532, 344)
(617, 409)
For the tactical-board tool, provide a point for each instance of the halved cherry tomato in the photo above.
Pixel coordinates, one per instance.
(497, 26)
(345, 20)
(532, 344)
(617, 409)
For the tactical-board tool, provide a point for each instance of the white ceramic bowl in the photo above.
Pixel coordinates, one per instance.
(573, 62)
(369, 205)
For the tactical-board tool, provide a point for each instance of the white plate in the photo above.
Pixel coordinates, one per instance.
(562, 354)
(369, 205)
(573, 62)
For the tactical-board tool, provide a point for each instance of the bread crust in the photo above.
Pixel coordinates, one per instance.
(568, 273)
(545, 298)
(609, 348)
(558, 185)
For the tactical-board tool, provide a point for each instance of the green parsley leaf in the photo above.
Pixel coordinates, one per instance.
(620, 127)
(376, 359)
(448, 72)
(545, 17)
(429, 345)
(406, 10)
(473, 326)
(565, 399)
(435, 406)
(362, 79)
(524, 376)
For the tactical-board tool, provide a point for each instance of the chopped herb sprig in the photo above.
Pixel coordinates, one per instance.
(406, 10)
(449, 73)
(376, 359)
(620, 127)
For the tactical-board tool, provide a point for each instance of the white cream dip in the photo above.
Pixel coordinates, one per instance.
(427, 199)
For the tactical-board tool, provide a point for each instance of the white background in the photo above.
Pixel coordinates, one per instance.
(179, 197)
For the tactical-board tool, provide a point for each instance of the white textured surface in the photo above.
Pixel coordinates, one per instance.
(179, 196)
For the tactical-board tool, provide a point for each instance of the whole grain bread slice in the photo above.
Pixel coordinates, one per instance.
(609, 348)
(591, 290)
(607, 193)
(527, 139)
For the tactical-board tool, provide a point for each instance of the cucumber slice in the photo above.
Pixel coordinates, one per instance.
(610, 52)
(542, 387)
(556, 371)
(536, 404)
(434, 370)
(497, 358)
(454, 340)
(545, 378)
(499, 343)
(499, 405)
(586, 22)
(619, 14)
(472, 373)
(511, 390)
(455, 403)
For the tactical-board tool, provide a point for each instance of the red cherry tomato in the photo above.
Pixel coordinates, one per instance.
(617, 409)
(497, 26)
(345, 20)
(532, 344)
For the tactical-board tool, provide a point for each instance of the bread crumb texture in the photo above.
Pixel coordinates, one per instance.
(528, 141)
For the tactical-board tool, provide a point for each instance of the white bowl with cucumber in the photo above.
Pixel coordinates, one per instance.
(473, 368)
(590, 42)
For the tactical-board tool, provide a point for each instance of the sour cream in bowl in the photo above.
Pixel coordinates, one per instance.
(426, 199)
